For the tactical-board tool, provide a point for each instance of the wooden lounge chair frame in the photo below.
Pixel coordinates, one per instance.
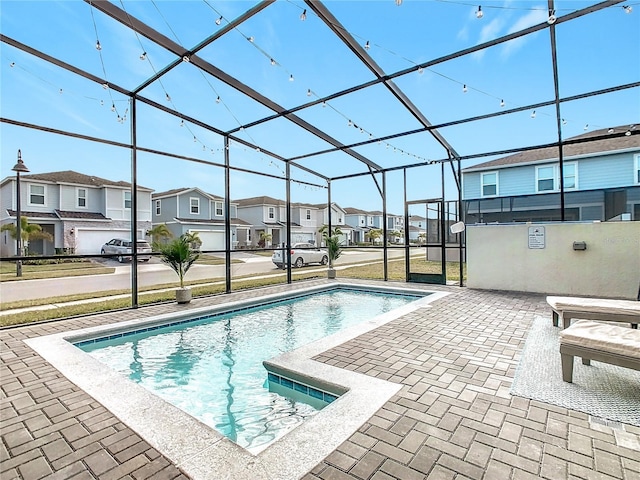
(570, 312)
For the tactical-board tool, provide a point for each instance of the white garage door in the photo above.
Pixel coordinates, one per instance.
(211, 240)
(90, 241)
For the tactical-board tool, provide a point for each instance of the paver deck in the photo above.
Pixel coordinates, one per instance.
(453, 418)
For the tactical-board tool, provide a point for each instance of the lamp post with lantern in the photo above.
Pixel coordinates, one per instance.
(19, 168)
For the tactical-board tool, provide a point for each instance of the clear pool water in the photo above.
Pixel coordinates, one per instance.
(212, 367)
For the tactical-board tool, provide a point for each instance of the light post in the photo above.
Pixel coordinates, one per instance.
(19, 167)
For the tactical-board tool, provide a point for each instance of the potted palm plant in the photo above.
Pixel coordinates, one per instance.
(333, 244)
(179, 255)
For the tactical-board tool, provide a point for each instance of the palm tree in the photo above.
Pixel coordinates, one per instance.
(193, 239)
(179, 255)
(332, 241)
(160, 233)
(264, 238)
(374, 234)
(28, 232)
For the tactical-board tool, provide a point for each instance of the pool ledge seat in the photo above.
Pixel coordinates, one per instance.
(600, 342)
(602, 309)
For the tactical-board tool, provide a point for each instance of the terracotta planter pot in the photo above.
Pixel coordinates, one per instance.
(183, 295)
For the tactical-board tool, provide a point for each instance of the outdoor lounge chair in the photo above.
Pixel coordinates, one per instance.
(601, 309)
(600, 342)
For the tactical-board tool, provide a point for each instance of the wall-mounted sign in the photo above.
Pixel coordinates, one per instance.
(536, 237)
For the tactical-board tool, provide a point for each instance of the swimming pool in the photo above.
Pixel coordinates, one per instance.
(212, 366)
(201, 451)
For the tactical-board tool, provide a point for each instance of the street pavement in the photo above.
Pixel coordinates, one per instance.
(157, 273)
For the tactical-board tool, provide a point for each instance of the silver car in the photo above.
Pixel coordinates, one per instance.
(120, 248)
(301, 254)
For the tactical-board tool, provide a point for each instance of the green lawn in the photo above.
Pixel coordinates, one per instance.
(165, 293)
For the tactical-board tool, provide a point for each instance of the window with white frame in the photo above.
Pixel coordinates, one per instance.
(308, 214)
(548, 177)
(194, 205)
(218, 208)
(36, 195)
(570, 171)
(127, 200)
(81, 196)
(489, 184)
(637, 170)
(271, 213)
(158, 207)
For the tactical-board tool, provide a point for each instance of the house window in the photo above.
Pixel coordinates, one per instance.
(546, 178)
(308, 214)
(489, 184)
(339, 219)
(36, 194)
(570, 176)
(158, 207)
(127, 200)
(637, 170)
(194, 205)
(82, 197)
(218, 209)
(272, 213)
(361, 221)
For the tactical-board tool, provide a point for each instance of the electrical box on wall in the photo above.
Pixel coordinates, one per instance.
(579, 245)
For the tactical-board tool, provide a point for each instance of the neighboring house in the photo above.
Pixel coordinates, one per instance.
(269, 215)
(338, 219)
(601, 182)
(81, 212)
(191, 210)
(362, 221)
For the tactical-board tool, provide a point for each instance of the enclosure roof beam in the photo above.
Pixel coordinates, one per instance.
(155, 36)
(341, 32)
(443, 59)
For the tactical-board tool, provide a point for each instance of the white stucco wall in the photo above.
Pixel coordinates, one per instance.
(499, 258)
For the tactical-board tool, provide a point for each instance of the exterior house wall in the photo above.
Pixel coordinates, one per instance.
(606, 172)
(51, 197)
(115, 204)
(607, 268)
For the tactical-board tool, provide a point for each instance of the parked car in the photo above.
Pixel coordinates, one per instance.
(301, 254)
(120, 248)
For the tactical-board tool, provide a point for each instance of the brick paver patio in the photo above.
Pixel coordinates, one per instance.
(453, 417)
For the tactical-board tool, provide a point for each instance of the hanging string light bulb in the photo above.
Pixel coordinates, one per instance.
(479, 12)
(218, 99)
(533, 114)
(308, 92)
(251, 39)
(98, 46)
(113, 107)
(501, 103)
(303, 15)
(105, 86)
(143, 56)
(627, 8)
(219, 20)
(464, 88)
(168, 97)
(12, 64)
(291, 78)
(367, 46)
(273, 62)
(182, 123)
(420, 70)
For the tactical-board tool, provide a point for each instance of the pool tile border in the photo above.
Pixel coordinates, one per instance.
(199, 450)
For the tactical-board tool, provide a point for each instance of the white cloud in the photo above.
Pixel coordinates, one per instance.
(488, 32)
(534, 17)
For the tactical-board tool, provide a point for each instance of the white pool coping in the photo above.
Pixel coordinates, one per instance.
(198, 449)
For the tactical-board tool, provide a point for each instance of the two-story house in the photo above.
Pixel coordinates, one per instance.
(269, 215)
(338, 219)
(601, 182)
(362, 221)
(191, 210)
(81, 212)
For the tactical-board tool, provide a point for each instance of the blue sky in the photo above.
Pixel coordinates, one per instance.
(596, 51)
